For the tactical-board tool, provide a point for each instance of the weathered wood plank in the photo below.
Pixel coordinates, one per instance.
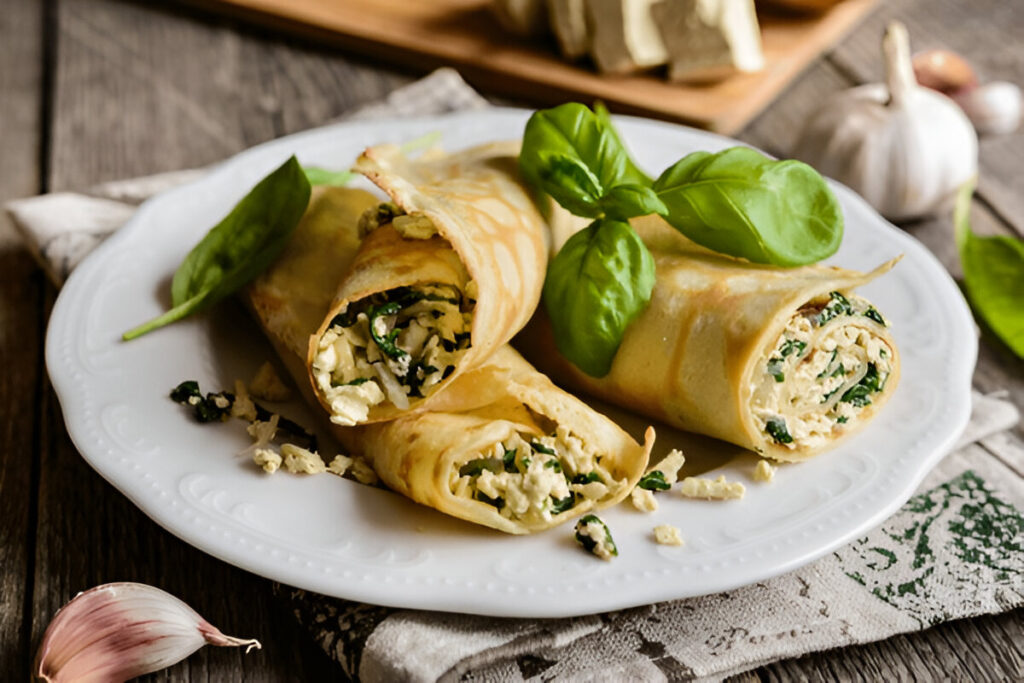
(140, 90)
(21, 322)
(987, 33)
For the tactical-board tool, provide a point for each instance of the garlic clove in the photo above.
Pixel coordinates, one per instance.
(993, 108)
(943, 70)
(118, 631)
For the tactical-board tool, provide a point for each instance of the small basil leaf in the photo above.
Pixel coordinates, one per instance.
(597, 284)
(742, 203)
(238, 248)
(573, 131)
(993, 275)
(571, 184)
(322, 176)
(622, 202)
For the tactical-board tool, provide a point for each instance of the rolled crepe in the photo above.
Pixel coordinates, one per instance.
(451, 269)
(783, 361)
(506, 449)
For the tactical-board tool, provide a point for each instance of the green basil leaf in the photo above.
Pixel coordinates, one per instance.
(572, 132)
(322, 176)
(742, 203)
(571, 184)
(993, 275)
(632, 174)
(622, 202)
(238, 248)
(597, 284)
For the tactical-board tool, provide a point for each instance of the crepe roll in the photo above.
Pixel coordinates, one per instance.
(783, 361)
(503, 447)
(450, 269)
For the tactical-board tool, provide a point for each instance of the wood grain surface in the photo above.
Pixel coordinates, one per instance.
(93, 90)
(464, 34)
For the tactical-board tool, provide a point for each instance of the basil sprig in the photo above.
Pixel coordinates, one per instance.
(322, 176)
(993, 275)
(238, 248)
(737, 202)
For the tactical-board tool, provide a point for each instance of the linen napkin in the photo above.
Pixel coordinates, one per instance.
(955, 550)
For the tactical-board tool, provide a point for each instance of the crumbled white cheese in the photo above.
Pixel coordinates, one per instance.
(764, 471)
(268, 459)
(298, 460)
(350, 403)
(666, 534)
(716, 489)
(243, 407)
(339, 465)
(262, 433)
(268, 386)
(670, 466)
(643, 500)
(414, 227)
(362, 472)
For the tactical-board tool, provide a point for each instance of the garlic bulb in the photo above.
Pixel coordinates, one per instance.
(119, 631)
(993, 108)
(906, 149)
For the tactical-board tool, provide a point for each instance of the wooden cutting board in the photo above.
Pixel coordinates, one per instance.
(463, 34)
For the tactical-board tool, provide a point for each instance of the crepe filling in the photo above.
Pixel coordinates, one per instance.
(826, 367)
(532, 478)
(391, 346)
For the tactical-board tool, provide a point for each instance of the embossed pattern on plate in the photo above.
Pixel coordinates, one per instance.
(339, 538)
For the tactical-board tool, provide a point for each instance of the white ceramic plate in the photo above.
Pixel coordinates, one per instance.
(336, 537)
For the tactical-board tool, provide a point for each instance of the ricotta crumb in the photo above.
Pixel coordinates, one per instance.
(262, 433)
(243, 407)
(716, 489)
(643, 500)
(671, 464)
(362, 471)
(268, 386)
(666, 534)
(764, 471)
(298, 460)
(268, 459)
(339, 465)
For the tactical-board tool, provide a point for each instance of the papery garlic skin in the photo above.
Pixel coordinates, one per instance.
(993, 108)
(119, 631)
(904, 148)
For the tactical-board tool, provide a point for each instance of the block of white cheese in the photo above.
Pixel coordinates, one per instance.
(708, 40)
(624, 37)
(523, 17)
(569, 23)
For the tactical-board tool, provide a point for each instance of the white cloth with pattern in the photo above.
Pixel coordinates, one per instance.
(955, 550)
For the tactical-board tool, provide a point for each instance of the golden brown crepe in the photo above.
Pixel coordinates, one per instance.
(783, 361)
(455, 459)
(450, 271)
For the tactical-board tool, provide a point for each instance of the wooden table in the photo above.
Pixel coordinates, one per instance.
(94, 90)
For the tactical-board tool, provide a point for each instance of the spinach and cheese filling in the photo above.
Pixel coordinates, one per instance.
(531, 478)
(392, 346)
(593, 534)
(825, 368)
